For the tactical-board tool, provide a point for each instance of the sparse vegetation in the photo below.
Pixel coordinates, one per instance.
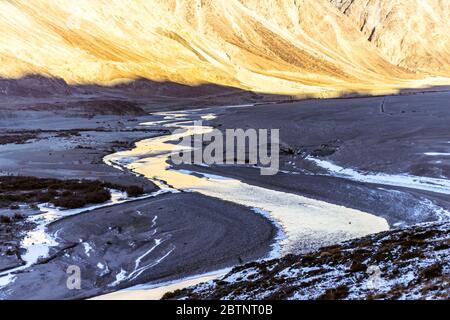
(68, 194)
(10, 219)
(432, 271)
(134, 191)
(5, 219)
(17, 138)
(337, 293)
(398, 264)
(18, 216)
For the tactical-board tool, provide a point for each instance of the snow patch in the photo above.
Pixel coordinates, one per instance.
(400, 180)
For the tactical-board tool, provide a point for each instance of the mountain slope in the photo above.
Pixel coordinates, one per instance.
(283, 46)
(414, 34)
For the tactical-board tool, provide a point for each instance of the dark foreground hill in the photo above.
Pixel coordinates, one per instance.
(410, 263)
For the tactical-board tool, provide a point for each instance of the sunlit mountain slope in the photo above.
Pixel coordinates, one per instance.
(414, 34)
(274, 46)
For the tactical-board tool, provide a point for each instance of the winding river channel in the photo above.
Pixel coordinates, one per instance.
(302, 222)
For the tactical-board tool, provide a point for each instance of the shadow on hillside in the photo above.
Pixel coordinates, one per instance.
(147, 93)
(40, 92)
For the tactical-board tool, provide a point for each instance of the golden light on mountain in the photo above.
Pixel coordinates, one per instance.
(277, 46)
(414, 34)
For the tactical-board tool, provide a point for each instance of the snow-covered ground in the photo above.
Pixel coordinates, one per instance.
(409, 263)
(398, 180)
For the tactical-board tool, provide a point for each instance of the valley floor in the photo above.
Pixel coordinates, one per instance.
(148, 239)
(356, 153)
